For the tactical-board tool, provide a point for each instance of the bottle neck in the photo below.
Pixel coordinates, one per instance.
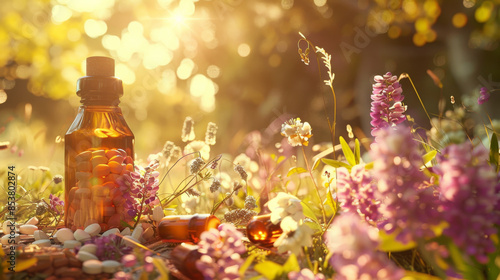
(93, 101)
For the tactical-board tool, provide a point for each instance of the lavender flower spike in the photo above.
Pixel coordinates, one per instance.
(387, 102)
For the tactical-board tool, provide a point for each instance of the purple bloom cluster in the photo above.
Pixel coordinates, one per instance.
(140, 189)
(354, 247)
(356, 193)
(387, 102)
(407, 206)
(221, 251)
(109, 247)
(469, 198)
(305, 274)
(54, 202)
(484, 96)
(130, 262)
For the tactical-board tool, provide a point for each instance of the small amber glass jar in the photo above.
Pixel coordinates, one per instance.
(261, 231)
(99, 148)
(186, 228)
(184, 258)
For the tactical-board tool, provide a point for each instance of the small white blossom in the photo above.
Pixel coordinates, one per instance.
(298, 133)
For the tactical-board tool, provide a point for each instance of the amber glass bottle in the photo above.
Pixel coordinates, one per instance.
(261, 231)
(99, 147)
(186, 228)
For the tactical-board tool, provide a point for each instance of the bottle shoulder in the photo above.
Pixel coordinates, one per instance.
(100, 121)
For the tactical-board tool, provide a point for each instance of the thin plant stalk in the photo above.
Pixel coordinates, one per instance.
(323, 212)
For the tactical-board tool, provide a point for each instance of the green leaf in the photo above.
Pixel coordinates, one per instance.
(429, 156)
(316, 164)
(296, 170)
(161, 268)
(388, 243)
(291, 264)
(349, 155)
(269, 269)
(335, 163)
(308, 212)
(357, 151)
(468, 271)
(494, 150)
(247, 264)
(413, 275)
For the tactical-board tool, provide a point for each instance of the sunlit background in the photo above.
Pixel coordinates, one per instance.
(231, 62)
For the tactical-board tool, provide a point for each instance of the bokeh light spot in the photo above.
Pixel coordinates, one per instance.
(213, 71)
(459, 20)
(3, 96)
(95, 28)
(319, 3)
(111, 42)
(483, 13)
(394, 32)
(286, 4)
(244, 50)
(185, 69)
(125, 73)
(60, 14)
(419, 39)
(74, 35)
(186, 8)
(422, 25)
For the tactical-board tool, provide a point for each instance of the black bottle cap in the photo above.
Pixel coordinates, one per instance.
(100, 86)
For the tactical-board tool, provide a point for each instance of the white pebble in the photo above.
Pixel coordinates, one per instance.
(32, 221)
(92, 267)
(7, 227)
(70, 244)
(110, 266)
(28, 229)
(6, 239)
(42, 243)
(129, 241)
(85, 256)
(126, 231)
(40, 234)
(93, 229)
(64, 234)
(89, 248)
(111, 231)
(137, 232)
(81, 235)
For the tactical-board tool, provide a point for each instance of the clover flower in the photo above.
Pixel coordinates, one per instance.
(298, 133)
(196, 164)
(241, 170)
(305, 274)
(353, 245)
(250, 202)
(221, 253)
(215, 186)
(356, 193)
(387, 102)
(484, 96)
(468, 187)
(210, 135)
(239, 216)
(188, 130)
(407, 207)
(57, 179)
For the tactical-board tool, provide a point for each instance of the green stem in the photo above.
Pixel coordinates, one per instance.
(323, 212)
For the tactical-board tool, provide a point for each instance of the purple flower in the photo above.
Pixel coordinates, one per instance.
(484, 96)
(468, 187)
(305, 274)
(109, 247)
(356, 193)
(387, 107)
(221, 251)
(139, 190)
(353, 245)
(407, 206)
(54, 202)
